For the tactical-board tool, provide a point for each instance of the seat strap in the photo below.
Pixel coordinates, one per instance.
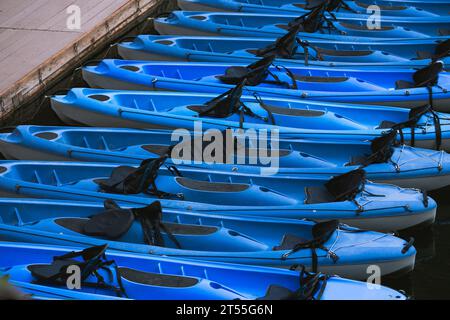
(415, 115)
(311, 286)
(317, 243)
(93, 259)
(150, 220)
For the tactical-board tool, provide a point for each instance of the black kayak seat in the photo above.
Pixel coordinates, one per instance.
(118, 173)
(251, 75)
(202, 108)
(236, 71)
(310, 4)
(318, 194)
(253, 51)
(386, 124)
(211, 186)
(276, 292)
(289, 241)
(364, 28)
(356, 160)
(444, 32)
(422, 55)
(442, 50)
(50, 271)
(156, 279)
(159, 150)
(283, 26)
(402, 84)
(428, 75)
(111, 224)
(78, 225)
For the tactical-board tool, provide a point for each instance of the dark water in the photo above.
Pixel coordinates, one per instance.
(431, 278)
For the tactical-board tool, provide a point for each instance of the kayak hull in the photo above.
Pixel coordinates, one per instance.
(234, 50)
(227, 281)
(118, 109)
(431, 169)
(356, 250)
(369, 87)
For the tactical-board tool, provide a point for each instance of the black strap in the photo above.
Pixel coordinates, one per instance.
(254, 73)
(291, 76)
(313, 21)
(229, 103)
(284, 47)
(225, 104)
(335, 5)
(425, 198)
(150, 219)
(265, 107)
(381, 148)
(136, 180)
(93, 259)
(321, 232)
(414, 117)
(312, 286)
(442, 50)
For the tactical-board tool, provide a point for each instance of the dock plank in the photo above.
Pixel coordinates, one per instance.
(36, 45)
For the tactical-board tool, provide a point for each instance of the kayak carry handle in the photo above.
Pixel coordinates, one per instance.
(408, 245)
(61, 92)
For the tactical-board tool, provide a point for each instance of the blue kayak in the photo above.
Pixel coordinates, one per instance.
(314, 53)
(349, 198)
(439, 7)
(398, 87)
(273, 26)
(147, 277)
(20, 290)
(321, 247)
(406, 8)
(295, 119)
(401, 165)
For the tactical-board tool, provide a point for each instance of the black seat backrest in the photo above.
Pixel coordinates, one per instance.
(429, 75)
(254, 74)
(346, 186)
(442, 49)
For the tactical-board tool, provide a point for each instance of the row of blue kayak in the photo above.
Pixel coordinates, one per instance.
(357, 132)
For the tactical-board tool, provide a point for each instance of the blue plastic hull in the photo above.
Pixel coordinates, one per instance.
(167, 110)
(376, 207)
(338, 85)
(210, 280)
(243, 240)
(239, 50)
(273, 26)
(407, 9)
(407, 167)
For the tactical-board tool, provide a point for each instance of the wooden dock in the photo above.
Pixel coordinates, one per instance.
(40, 42)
